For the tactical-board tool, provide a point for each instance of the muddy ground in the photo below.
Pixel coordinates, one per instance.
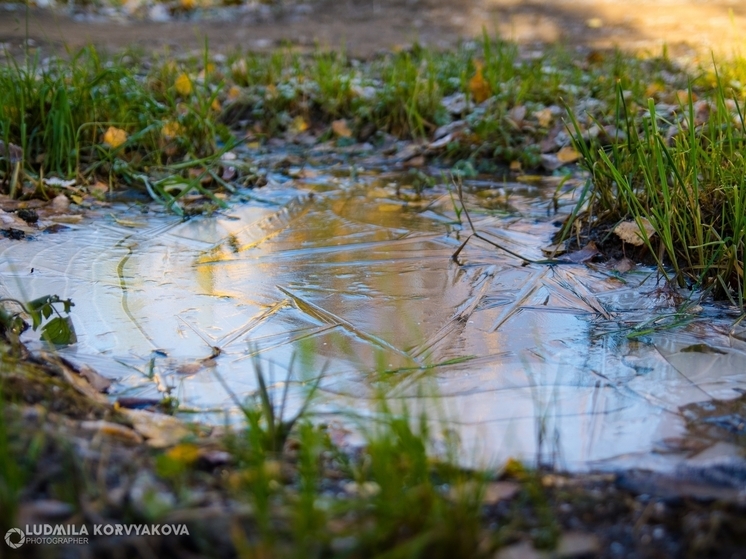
(365, 27)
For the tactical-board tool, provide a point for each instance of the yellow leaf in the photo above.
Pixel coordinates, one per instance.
(544, 116)
(188, 4)
(653, 89)
(216, 105)
(340, 128)
(480, 89)
(183, 85)
(568, 155)
(298, 125)
(171, 130)
(184, 453)
(234, 93)
(114, 137)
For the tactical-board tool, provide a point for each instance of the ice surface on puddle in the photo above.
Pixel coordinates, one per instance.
(526, 360)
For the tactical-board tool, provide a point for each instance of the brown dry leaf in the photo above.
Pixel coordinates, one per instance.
(522, 550)
(500, 491)
(623, 265)
(682, 97)
(480, 89)
(568, 155)
(554, 249)
(160, 430)
(517, 114)
(191, 368)
(98, 189)
(114, 137)
(585, 254)
(66, 218)
(11, 152)
(595, 57)
(630, 232)
(516, 166)
(544, 117)
(654, 89)
(60, 203)
(188, 4)
(341, 129)
(97, 381)
(415, 162)
(578, 544)
(113, 430)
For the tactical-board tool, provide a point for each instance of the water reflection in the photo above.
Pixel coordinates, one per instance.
(362, 283)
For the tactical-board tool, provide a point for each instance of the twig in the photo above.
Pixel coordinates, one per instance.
(476, 234)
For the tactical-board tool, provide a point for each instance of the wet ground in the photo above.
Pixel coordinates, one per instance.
(351, 273)
(364, 28)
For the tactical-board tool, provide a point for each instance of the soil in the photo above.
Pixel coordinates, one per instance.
(364, 27)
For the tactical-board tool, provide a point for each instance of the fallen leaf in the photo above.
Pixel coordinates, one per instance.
(455, 104)
(340, 128)
(113, 430)
(500, 491)
(68, 219)
(160, 430)
(12, 152)
(478, 86)
(544, 117)
(188, 4)
(183, 85)
(415, 162)
(60, 203)
(171, 130)
(184, 453)
(585, 254)
(97, 381)
(578, 544)
(622, 265)
(114, 137)
(517, 114)
(522, 550)
(98, 189)
(554, 249)
(234, 93)
(568, 155)
(630, 232)
(299, 125)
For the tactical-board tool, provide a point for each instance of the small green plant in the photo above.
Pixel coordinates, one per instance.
(687, 180)
(56, 327)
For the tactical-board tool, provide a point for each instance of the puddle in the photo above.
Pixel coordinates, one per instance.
(528, 360)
